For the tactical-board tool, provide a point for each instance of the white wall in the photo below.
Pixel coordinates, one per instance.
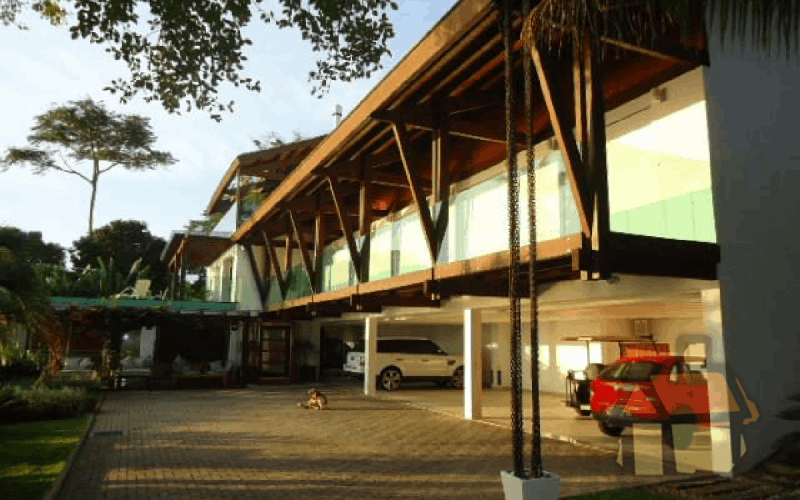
(755, 156)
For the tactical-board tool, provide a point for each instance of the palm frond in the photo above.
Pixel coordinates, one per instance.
(762, 25)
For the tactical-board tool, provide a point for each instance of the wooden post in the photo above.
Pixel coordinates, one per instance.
(364, 220)
(319, 242)
(596, 153)
(440, 173)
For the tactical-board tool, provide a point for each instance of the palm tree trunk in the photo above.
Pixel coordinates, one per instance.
(517, 435)
(536, 438)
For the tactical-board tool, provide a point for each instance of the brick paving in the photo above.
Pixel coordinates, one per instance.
(256, 443)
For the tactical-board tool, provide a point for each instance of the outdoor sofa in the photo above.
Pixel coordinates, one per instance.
(222, 371)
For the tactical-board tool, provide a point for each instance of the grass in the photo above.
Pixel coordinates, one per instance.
(32, 455)
(622, 494)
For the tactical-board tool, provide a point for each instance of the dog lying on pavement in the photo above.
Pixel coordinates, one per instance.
(316, 401)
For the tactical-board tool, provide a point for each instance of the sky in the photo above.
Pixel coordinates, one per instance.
(43, 67)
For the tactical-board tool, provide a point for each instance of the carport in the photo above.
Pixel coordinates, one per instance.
(676, 311)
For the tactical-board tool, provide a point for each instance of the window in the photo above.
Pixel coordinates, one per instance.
(424, 347)
(642, 371)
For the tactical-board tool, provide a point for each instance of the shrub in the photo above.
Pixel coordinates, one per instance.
(18, 404)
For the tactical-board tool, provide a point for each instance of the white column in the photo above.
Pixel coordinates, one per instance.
(235, 345)
(370, 349)
(722, 458)
(147, 342)
(473, 386)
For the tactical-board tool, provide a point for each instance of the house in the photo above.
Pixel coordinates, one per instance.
(397, 221)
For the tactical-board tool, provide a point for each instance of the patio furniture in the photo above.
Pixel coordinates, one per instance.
(182, 370)
(136, 368)
(82, 366)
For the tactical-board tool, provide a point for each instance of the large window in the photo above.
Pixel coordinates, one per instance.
(659, 172)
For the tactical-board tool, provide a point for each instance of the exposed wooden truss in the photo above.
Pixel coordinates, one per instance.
(276, 268)
(344, 223)
(260, 286)
(412, 173)
(307, 262)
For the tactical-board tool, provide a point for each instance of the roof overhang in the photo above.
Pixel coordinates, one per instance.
(196, 247)
(463, 17)
(458, 61)
(270, 165)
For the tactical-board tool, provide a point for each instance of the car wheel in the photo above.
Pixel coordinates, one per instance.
(610, 430)
(457, 380)
(390, 379)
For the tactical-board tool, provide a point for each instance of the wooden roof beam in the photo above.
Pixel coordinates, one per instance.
(425, 121)
(333, 183)
(298, 234)
(273, 257)
(412, 173)
(566, 139)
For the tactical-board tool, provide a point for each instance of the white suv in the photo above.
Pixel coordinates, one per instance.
(410, 358)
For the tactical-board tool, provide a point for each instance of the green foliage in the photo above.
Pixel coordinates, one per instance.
(115, 249)
(18, 404)
(184, 50)
(22, 298)
(85, 131)
(207, 224)
(31, 245)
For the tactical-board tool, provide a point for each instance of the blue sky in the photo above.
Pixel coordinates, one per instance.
(43, 66)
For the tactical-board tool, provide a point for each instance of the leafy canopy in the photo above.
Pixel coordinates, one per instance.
(121, 243)
(180, 51)
(85, 131)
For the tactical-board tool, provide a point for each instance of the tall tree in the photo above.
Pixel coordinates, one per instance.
(85, 131)
(123, 243)
(184, 49)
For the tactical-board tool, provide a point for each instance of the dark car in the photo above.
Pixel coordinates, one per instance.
(651, 389)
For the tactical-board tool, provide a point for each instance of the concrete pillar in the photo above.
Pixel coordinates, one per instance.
(370, 350)
(718, 383)
(473, 386)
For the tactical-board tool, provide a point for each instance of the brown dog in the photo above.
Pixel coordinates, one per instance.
(316, 401)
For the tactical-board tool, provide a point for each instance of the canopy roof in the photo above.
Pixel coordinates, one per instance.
(196, 247)
(271, 166)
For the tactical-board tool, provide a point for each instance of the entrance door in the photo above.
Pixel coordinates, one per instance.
(275, 351)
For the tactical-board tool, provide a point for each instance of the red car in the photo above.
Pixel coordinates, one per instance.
(650, 388)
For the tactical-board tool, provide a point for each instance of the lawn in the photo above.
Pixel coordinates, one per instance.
(32, 455)
(623, 494)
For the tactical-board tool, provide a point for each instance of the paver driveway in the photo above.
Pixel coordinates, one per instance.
(256, 443)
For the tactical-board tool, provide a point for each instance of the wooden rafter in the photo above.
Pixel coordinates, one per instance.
(262, 294)
(663, 49)
(333, 183)
(412, 173)
(566, 140)
(471, 130)
(303, 251)
(276, 267)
